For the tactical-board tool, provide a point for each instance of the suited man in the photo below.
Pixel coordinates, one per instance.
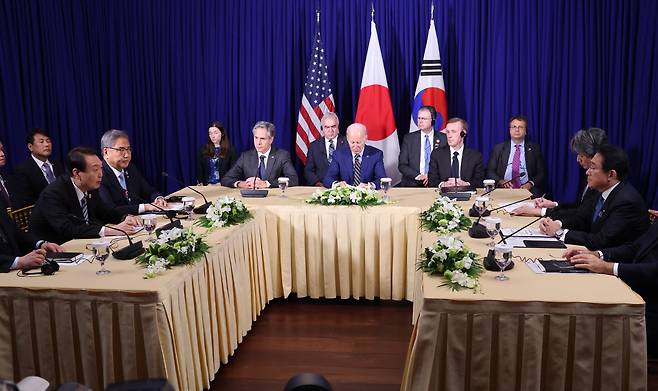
(35, 173)
(617, 216)
(456, 165)
(262, 166)
(584, 143)
(321, 151)
(21, 250)
(123, 186)
(509, 159)
(417, 147)
(6, 191)
(359, 165)
(636, 263)
(66, 204)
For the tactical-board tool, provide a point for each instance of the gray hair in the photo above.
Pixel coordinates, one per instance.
(265, 125)
(329, 114)
(111, 136)
(587, 141)
(357, 126)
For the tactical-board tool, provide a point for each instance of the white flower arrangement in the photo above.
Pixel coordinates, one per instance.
(444, 216)
(172, 247)
(346, 195)
(449, 258)
(224, 212)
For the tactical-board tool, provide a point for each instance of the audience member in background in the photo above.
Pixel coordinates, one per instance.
(617, 216)
(6, 191)
(359, 165)
(66, 204)
(262, 166)
(417, 147)
(123, 187)
(321, 151)
(456, 165)
(217, 156)
(636, 263)
(21, 250)
(584, 143)
(37, 172)
(509, 159)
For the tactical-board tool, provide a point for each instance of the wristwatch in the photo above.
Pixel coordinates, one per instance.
(559, 232)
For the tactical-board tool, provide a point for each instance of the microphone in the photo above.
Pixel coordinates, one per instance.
(489, 262)
(131, 251)
(201, 209)
(253, 192)
(170, 215)
(474, 213)
(478, 230)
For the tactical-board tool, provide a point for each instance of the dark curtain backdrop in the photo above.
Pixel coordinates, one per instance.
(162, 69)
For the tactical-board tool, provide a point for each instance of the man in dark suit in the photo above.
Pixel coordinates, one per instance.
(456, 165)
(34, 174)
(617, 216)
(359, 165)
(262, 166)
(6, 191)
(123, 186)
(636, 263)
(71, 208)
(21, 250)
(417, 147)
(509, 160)
(321, 151)
(584, 143)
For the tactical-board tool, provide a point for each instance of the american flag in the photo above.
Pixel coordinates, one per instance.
(316, 101)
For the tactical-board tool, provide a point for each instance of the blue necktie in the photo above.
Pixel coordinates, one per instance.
(598, 208)
(428, 152)
(261, 167)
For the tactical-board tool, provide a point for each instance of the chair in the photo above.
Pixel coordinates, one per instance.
(307, 382)
(653, 214)
(22, 217)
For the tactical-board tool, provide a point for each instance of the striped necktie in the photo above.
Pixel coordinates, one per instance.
(357, 171)
(50, 177)
(83, 206)
(332, 149)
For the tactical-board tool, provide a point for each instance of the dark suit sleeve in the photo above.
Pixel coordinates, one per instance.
(494, 159)
(105, 193)
(478, 171)
(288, 171)
(230, 159)
(641, 277)
(19, 187)
(235, 173)
(51, 206)
(202, 169)
(410, 173)
(617, 224)
(310, 169)
(540, 168)
(380, 170)
(333, 172)
(434, 175)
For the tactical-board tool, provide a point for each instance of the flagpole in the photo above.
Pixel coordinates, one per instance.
(372, 12)
(432, 11)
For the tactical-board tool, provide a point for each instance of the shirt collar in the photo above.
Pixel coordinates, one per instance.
(460, 150)
(266, 154)
(606, 193)
(116, 172)
(522, 144)
(79, 193)
(39, 162)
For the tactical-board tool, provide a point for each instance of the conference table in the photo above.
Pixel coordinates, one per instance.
(187, 322)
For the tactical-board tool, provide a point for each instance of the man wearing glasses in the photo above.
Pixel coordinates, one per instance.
(123, 186)
(519, 162)
(417, 147)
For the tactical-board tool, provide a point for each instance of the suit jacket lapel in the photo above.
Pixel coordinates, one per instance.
(416, 149)
(38, 173)
(73, 197)
(504, 158)
(271, 161)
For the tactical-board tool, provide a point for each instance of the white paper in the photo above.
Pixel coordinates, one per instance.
(526, 232)
(509, 208)
(75, 261)
(518, 241)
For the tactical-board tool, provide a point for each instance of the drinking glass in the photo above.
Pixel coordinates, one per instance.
(386, 185)
(503, 258)
(101, 250)
(188, 205)
(481, 204)
(489, 185)
(493, 228)
(150, 221)
(283, 185)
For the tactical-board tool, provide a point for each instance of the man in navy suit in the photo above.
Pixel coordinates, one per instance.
(359, 165)
(321, 151)
(617, 216)
(417, 147)
(261, 167)
(37, 172)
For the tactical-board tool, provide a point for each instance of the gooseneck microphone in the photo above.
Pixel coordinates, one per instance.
(131, 251)
(253, 192)
(489, 262)
(474, 213)
(170, 215)
(478, 230)
(201, 209)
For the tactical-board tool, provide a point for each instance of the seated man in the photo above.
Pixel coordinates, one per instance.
(584, 143)
(509, 160)
(456, 165)
(359, 165)
(21, 250)
(71, 208)
(37, 172)
(6, 191)
(321, 151)
(123, 186)
(636, 264)
(261, 167)
(617, 216)
(417, 147)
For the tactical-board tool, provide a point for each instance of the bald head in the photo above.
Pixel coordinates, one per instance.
(357, 134)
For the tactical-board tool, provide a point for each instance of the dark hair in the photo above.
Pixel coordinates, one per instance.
(208, 150)
(76, 158)
(614, 158)
(461, 121)
(432, 111)
(520, 117)
(33, 132)
(587, 141)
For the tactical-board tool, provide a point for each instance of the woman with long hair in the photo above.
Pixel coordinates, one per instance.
(217, 155)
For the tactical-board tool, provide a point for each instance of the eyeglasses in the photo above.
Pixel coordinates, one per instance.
(122, 150)
(517, 127)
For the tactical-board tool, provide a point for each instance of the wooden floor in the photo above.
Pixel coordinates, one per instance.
(357, 345)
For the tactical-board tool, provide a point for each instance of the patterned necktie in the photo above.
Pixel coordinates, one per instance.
(124, 186)
(597, 209)
(5, 193)
(50, 177)
(83, 205)
(261, 167)
(332, 149)
(357, 171)
(428, 152)
(516, 167)
(454, 170)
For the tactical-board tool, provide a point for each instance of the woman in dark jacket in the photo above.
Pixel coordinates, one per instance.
(217, 155)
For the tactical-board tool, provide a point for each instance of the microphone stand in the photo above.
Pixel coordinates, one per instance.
(478, 230)
(170, 215)
(201, 209)
(473, 212)
(131, 251)
(489, 262)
